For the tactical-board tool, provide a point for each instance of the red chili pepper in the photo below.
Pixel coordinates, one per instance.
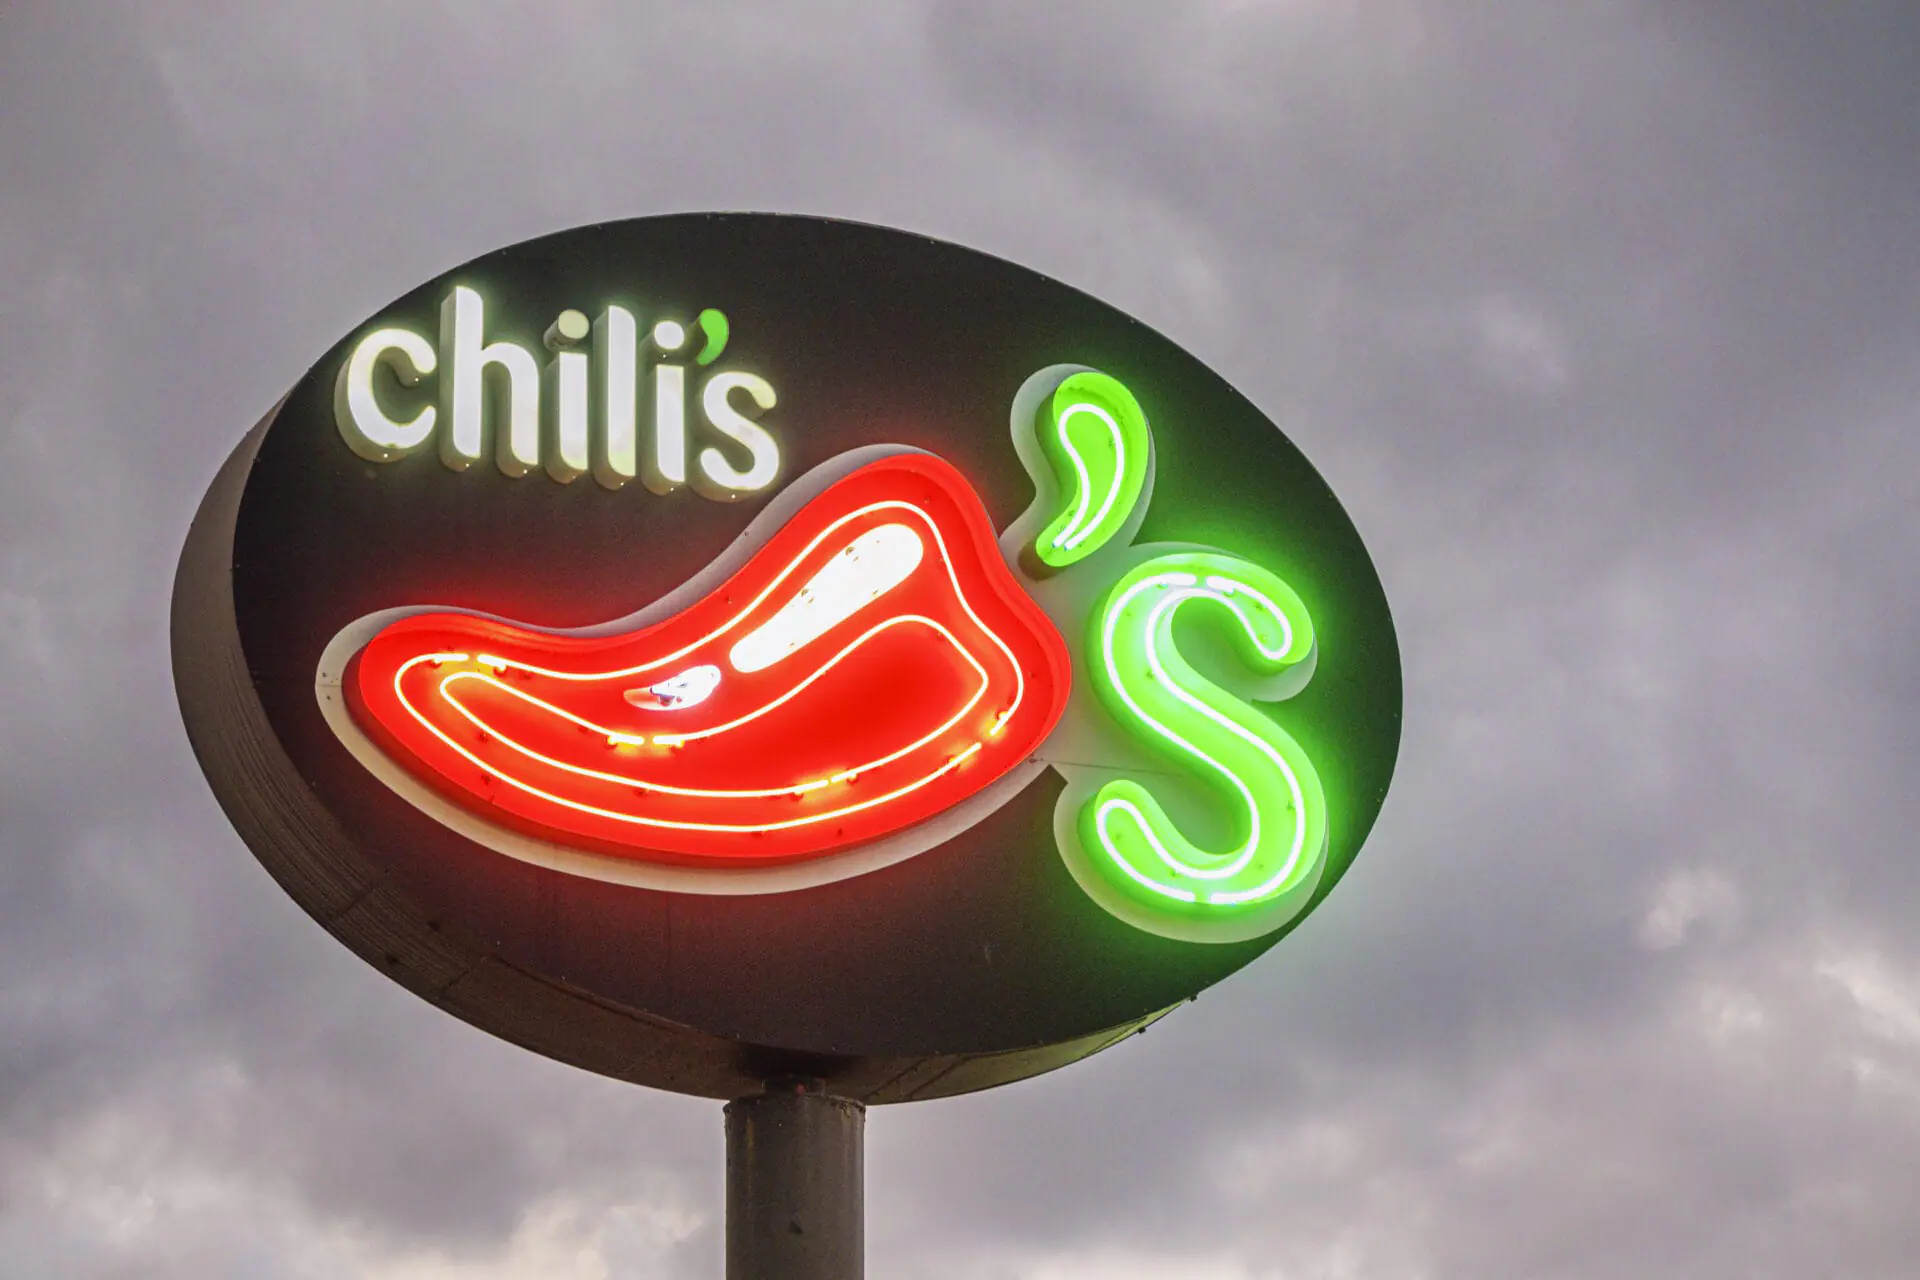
(872, 665)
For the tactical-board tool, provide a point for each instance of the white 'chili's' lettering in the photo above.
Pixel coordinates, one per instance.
(581, 413)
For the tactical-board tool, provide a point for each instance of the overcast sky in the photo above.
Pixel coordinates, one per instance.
(1603, 318)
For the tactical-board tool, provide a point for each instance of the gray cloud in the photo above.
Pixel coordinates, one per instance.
(1601, 318)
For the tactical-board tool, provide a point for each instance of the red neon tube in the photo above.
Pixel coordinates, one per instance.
(873, 664)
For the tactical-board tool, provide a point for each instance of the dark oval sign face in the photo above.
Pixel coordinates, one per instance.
(712, 647)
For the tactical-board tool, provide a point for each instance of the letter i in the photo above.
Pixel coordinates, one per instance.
(616, 351)
(666, 468)
(566, 449)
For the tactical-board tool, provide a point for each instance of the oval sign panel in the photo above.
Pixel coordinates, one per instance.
(717, 647)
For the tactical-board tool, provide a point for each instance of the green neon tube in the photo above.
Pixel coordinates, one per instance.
(1142, 679)
(1096, 440)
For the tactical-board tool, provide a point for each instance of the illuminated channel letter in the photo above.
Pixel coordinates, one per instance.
(567, 459)
(363, 424)
(667, 464)
(872, 664)
(616, 346)
(1096, 439)
(1251, 764)
(464, 387)
(718, 477)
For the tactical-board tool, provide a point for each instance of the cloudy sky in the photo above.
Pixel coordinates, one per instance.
(1604, 318)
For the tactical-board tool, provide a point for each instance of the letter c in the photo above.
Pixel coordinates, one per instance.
(364, 425)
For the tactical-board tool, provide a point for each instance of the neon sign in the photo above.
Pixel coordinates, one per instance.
(929, 748)
(874, 664)
(498, 388)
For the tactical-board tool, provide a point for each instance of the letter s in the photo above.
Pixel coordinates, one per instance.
(1248, 761)
(718, 477)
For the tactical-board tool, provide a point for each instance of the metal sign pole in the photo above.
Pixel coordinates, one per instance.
(795, 1186)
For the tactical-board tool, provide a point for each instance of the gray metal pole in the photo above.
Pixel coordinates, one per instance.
(795, 1185)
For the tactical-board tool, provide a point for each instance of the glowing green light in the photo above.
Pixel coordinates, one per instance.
(1149, 687)
(713, 324)
(1096, 439)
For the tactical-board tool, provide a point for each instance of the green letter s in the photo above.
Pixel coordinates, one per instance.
(1156, 695)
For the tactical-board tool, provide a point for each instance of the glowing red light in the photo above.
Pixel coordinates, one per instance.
(873, 664)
